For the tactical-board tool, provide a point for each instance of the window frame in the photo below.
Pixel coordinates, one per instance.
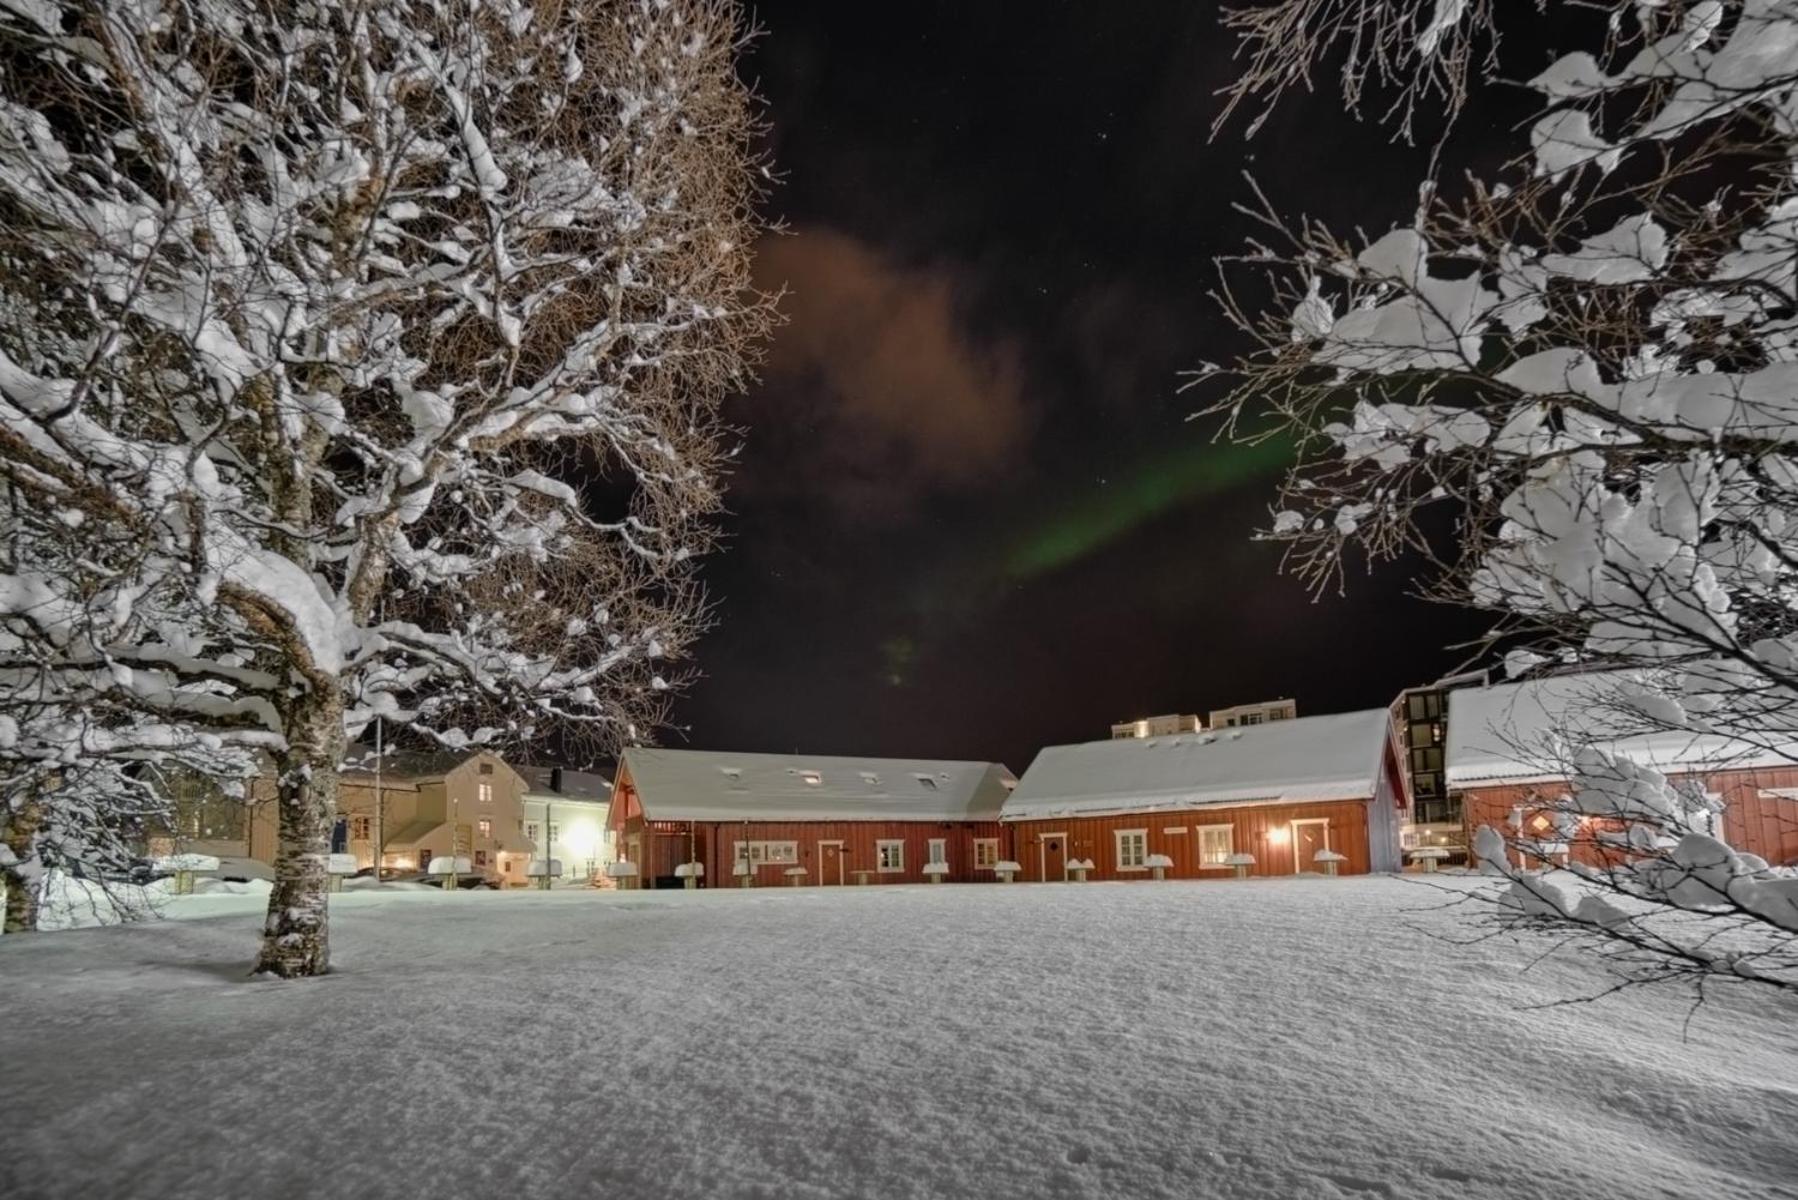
(1142, 849)
(936, 850)
(991, 847)
(1199, 832)
(881, 846)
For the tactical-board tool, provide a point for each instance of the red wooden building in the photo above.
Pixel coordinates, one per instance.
(1506, 750)
(840, 820)
(1281, 792)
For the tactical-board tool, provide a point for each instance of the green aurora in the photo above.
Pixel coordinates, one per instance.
(1162, 483)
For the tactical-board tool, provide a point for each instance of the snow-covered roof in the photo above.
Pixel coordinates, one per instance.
(1333, 757)
(710, 785)
(566, 784)
(1519, 732)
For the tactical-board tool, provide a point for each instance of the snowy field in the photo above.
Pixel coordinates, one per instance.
(1303, 1038)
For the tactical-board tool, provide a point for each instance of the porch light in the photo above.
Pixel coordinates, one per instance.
(1276, 836)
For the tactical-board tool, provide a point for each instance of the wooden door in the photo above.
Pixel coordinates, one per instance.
(1053, 856)
(830, 862)
(1308, 837)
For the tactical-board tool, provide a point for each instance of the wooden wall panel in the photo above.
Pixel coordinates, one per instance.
(1753, 820)
(1095, 838)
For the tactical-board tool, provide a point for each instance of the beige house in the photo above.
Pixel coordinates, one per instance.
(417, 807)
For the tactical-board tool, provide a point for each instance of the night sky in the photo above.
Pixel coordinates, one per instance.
(973, 516)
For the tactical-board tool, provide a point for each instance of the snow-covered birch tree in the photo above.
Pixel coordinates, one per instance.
(1589, 365)
(365, 358)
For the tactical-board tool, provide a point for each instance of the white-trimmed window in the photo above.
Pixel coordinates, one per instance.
(486, 792)
(771, 854)
(1132, 848)
(986, 853)
(485, 826)
(889, 856)
(362, 829)
(939, 851)
(1216, 843)
(531, 830)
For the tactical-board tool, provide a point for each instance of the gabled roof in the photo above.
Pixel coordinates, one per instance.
(359, 759)
(710, 785)
(1334, 757)
(1520, 732)
(570, 785)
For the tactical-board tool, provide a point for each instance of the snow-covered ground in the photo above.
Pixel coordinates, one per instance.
(1281, 1038)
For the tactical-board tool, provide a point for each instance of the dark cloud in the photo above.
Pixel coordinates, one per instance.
(886, 395)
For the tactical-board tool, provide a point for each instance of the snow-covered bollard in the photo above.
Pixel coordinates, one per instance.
(451, 866)
(1079, 867)
(185, 867)
(339, 867)
(543, 871)
(1428, 857)
(935, 871)
(1328, 859)
(795, 876)
(623, 872)
(690, 873)
(745, 874)
(1240, 863)
(1007, 871)
(1158, 865)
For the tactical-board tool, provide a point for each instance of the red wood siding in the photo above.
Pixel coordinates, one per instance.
(1752, 821)
(1095, 838)
(664, 844)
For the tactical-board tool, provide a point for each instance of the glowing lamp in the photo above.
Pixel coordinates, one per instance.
(1276, 837)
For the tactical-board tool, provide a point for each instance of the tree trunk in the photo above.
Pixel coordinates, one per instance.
(21, 880)
(295, 934)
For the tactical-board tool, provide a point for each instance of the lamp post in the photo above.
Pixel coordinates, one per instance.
(549, 848)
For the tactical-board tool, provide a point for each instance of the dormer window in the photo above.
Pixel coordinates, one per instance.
(812, 778)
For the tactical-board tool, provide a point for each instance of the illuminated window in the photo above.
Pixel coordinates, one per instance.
(767, 853)
(485, 827)
(889, 856)
(986, 853)
(1132, 848)
(486, 791)
(1216, 843)
(362, 828)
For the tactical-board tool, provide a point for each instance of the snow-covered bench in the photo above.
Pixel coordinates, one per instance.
(1240, 863)
(935, 871)
(1428, 857)
(1329, 859)
(1078, 867)
(1007, 871)
(689, 873)
(1158, 865)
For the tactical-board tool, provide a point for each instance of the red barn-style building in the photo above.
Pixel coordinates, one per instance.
(1505, 752)
(1282, 792)
(843, 820)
